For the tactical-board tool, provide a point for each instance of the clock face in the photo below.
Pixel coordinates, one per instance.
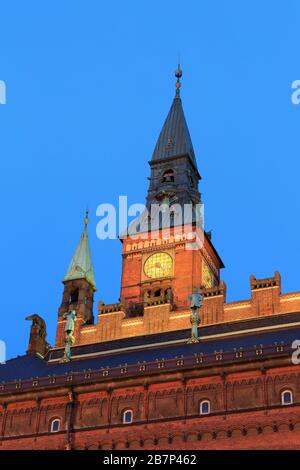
(207, 276)
(158, 265)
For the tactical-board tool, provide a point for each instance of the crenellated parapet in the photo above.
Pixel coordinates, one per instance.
(219, 290)
(111, 308)
(158, 297)
(265, 295)
(213, 305)
(158, 312)
(268, 282)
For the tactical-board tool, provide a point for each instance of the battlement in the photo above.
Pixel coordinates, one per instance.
(103, 309)
(265, 283)
(160, 313)
(215, 291)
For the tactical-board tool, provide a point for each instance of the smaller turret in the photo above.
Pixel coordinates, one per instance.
(79, 287)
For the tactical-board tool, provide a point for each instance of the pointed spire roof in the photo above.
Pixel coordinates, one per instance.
(81, 266)
(174, 139)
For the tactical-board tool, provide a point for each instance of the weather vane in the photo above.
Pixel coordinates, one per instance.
(178, 75)
(86, 219)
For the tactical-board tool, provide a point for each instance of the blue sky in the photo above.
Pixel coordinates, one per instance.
(89, 85)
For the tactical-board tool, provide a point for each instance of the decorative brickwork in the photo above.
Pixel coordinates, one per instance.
(160, 315)
(165, 411)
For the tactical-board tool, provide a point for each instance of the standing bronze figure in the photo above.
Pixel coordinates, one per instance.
(196, 303)
(70, 318)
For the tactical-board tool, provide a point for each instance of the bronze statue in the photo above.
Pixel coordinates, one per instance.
(196, 300)
(196, 303)
(70, 318)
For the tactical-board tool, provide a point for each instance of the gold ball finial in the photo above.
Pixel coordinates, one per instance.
(178, 73)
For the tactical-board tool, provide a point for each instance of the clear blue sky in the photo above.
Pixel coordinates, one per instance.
(89, 84)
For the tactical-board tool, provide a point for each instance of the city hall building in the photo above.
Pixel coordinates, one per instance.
(135, 374)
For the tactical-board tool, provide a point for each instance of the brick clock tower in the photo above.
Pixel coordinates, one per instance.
(170, 261)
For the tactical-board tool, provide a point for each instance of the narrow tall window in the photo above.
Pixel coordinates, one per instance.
(74, 297)
(205, 407)
(55, 425)
(127, 417)
(287, 398)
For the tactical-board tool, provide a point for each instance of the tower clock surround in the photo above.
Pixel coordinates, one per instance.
(158, 265)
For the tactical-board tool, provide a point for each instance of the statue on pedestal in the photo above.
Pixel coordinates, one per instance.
(195, 305)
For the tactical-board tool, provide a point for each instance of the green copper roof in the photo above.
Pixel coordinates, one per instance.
(81, 266)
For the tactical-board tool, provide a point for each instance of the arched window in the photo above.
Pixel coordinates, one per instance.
(287, 397)
(55, 425)
(74, 296)
(205, 407)
(127, 417)
(168, 176)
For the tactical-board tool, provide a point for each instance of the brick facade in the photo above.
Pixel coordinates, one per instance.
(246, 412)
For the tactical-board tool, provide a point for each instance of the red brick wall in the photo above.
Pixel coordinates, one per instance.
(246, 413)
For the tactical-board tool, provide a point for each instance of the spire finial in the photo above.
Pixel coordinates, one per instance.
(178, 75)
(86, 219)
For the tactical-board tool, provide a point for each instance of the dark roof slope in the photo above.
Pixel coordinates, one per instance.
(174, 139)
(27, 367)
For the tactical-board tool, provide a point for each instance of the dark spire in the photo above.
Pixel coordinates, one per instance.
(174, 139)
(174, 172)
